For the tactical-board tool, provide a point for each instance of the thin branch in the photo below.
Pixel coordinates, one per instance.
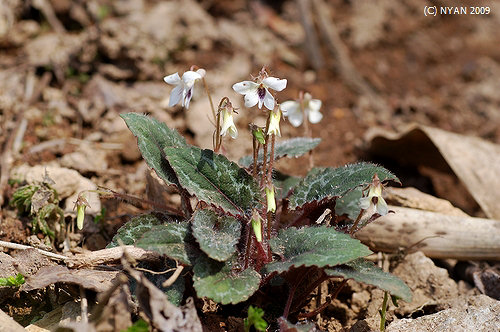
(17, 246)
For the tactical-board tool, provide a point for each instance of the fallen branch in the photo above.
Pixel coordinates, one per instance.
(441, 235)
(111, 255)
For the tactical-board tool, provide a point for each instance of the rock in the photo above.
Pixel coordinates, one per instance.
(430, 284)
(479, 313)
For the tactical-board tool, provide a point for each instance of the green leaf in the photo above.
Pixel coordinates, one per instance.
(222, 282)
(16, 281)
(135, 228)
(291, 148)
(255, 318)
(349, 204)
(284, 183)
(214, 179)
(173, 240)
(328, 183)
(152, 137)
(216, 235)
(139, 326)
(313, 246)
(366, 272)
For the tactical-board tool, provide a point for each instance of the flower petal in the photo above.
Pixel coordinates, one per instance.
(268, 101)
(382, 208)
(291, 109)
(314, 105)
(245, 87)
(188, 94)
(202, 72)
(190, 77)
(275, 83)
(364, 202)
(172, 79)
(314, 116)
(251, 98)
(176, 95)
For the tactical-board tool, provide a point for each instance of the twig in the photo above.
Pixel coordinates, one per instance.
(312, 44)
(346, 68)
(169, 282)
(17, 246)
(47, 10)
(84, 306)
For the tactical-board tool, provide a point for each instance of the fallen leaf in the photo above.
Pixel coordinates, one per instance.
(474, 161)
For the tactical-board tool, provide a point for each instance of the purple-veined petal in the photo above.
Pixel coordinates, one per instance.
(268, 101)
(251, 98)
(176, 95)
(174, 79)
(314, 116)
(245, 87)
(275, 83)
(188, 94)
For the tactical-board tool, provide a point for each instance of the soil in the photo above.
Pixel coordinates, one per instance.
(69, 68)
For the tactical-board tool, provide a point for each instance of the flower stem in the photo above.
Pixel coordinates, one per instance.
(353, 228)
(307, 130)
(256, 146)
(209, 97)
(383, 312)
(264, 163)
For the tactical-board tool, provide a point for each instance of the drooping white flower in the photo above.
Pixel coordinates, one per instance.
(374, 198)
(183, 91)
(258, 92)
(291, 109)
(228, 123)
(274, 123)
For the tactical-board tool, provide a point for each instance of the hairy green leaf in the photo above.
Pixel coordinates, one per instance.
(214, 179)
(366, 272)
(284, 183)
(152, 137)
(223, 282)
(328, 183)
(135, 228)
(349, 203)
(216, 235)
(291, 148)
(313, 246)
(173, 240)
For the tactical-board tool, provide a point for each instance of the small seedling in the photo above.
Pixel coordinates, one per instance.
(255, 319)
(16, 281)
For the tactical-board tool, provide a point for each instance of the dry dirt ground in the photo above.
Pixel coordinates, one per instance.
(69, 68)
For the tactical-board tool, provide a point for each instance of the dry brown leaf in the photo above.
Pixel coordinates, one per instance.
(474, 161)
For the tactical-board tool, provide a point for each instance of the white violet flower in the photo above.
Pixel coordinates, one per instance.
(274, 123)
(183, 91)
(258, 92)
(374, 198)
(292, 110)
(228, 123)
